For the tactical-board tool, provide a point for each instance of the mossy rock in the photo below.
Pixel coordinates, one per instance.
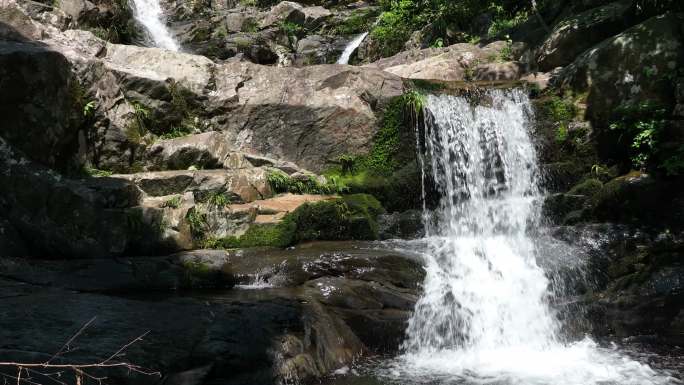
(631, 197)
(558, 206)
(351, 217)
(270, 235)
(200, 274)
(589, 188)
(364, 203)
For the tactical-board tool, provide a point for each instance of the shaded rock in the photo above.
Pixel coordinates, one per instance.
(405, 225)
(207, 151)
(229, 337)
(11, 243)
(284, 12)
(236, 338)
(315, 16)
(40, 108)
(238, 185)
(499, 71)
(63, 216)
(572, 36)
(193, 269)
(613, 72)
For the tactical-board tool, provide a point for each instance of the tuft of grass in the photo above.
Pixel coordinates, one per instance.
(218, 200)
(197, 220)
(173, 203)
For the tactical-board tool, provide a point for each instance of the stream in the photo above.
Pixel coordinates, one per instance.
(489, 312)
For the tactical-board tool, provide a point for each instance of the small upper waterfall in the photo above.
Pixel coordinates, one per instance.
(149, 14)
(350, 48)
(485, 315)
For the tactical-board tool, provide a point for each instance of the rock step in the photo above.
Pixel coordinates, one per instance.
(236, 185)
(207, 150)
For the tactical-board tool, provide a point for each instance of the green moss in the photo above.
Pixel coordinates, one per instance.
(386, 155)
(94, 172)
(588, 188)
(351, 217)
(364, 204)
(359, 21)
(200, 274)
(272, 235)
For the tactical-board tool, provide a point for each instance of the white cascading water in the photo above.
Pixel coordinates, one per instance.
(350, 48)
(484, 317)
(149, 14)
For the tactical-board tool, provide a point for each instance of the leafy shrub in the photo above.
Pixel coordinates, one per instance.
(641, 126)
(400, 17)
(218, 200)
(358, 22)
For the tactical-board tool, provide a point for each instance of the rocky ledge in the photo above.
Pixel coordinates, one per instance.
(254, 316)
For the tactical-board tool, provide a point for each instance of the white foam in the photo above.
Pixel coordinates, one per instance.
(484, 315)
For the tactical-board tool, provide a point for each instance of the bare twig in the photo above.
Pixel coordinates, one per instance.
(68, 343)
(79, 370)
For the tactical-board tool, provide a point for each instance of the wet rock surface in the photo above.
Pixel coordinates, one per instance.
(320, 306)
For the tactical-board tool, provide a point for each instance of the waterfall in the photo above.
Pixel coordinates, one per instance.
(485, 314)
(350, 48)
(149, 14)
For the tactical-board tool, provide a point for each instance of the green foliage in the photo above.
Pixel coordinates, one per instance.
(282, 183)
(503, 22)
(506, 53)
(94, 172)
(89, 108)
(358, 22)
(291, 30)
(173, 203)
(347, 164)
(250, 25)
(272, 235)
(352, 217)
(175, 132)
(278, 180)
(562, 111)
(137, 128)
(197, 220)
(218, 200)
(642, 126)
(444, 21)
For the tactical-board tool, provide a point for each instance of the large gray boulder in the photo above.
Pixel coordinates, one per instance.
(62, 217)
(630, 67)
(284, 12)
(577, 33)
(307, 115)
(458, 62)
(40, 103)
(304, 115)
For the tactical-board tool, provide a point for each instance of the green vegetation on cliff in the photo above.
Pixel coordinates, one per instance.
(443, 22)
(349, 217)
(642, 129)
